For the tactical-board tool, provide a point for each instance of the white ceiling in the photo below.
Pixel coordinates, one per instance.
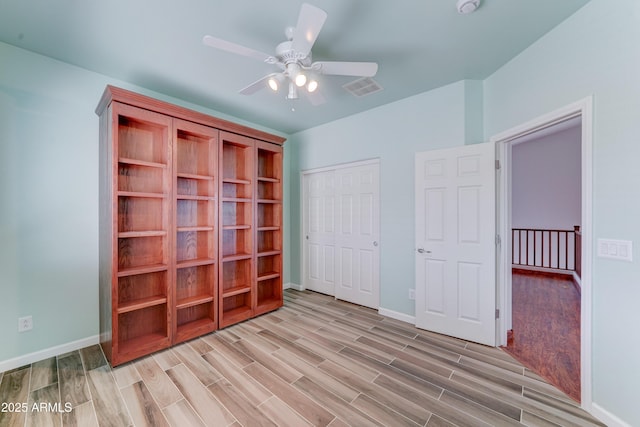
(157, 44)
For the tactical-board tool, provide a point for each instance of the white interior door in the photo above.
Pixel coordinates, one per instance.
(319, 213)
(357, 237)
(455, 242)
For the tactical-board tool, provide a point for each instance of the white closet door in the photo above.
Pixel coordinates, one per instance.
(319, 232)
(357, 237)
(341, 232)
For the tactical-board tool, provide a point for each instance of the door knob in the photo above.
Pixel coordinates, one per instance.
(422, 251)
(375, 243)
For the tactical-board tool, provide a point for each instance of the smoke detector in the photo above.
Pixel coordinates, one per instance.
(467, 6)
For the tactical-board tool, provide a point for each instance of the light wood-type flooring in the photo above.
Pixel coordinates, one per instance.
(316, 361)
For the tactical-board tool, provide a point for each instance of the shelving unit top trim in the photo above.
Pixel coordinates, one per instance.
(113, 93)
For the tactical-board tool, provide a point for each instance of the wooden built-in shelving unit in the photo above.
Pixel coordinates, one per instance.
(190, 224)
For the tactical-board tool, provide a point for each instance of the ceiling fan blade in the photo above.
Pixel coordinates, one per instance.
(257, 85)
(310, 22)
(362, 69)
(236, 48)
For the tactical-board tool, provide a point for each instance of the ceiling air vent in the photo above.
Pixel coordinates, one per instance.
(362, 87)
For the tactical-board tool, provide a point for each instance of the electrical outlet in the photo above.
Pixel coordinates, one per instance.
(25, 324)
(412, 294)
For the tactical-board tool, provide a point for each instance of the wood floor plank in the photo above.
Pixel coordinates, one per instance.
(229, 350)
(328, 382)
(244, 383)
(44, 373)
(269, 362)
(107, 401)
(281, 414)
(181, 414)
(350, 414)
(245, 412)
(429, 403)
(192, 360)
(383, 395)
(166, 359)
(361, 370)
(202, 401)
(14, 389)
(81, 416)
(144, 411)
(158, 383)
(200, 346)
(92, 357)
(381, 413)
(295, 348)
(126, 375)
(45, 408)
(73, 382)
(316, 414)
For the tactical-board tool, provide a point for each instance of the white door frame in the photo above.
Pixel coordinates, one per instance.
(584, 109)
(303, 174)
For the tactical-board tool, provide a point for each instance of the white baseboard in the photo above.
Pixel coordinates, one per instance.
(397, 315)
(36, 356)
(294, 286)
(607, 417)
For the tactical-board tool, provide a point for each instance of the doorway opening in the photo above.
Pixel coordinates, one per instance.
(545, 241)
(580, 112)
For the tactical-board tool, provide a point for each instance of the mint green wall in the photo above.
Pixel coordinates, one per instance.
(49, 199)
(392, 133)
(595, 52)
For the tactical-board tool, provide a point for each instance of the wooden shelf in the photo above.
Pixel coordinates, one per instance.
(197, 198)
(237, 199)
(140, 194)
(191, 301)
(137, 162)
(267, 179)
(140, 304)
(152, 233)
(236, 257)
(195, 262)
(269, 253)
(236, 181)
(142, 270)
(236, 227)
(194, 228)
(236, 291)
(195, 176)
(267, 276)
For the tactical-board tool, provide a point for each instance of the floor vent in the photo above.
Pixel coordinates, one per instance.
(363, 86)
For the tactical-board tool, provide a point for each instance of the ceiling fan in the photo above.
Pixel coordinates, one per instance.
(293, 58)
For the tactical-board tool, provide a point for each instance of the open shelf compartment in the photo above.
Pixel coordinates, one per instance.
(142, 140)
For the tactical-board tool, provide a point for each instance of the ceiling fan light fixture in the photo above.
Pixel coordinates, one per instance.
(467, 6)
(312, 86)
(300, 80)
(275, 81)
(273, 84)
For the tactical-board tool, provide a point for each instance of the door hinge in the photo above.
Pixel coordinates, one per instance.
(498, 164)
(497, 313)
(498, 240)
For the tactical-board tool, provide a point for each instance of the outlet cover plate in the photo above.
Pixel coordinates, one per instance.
(25, 323)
